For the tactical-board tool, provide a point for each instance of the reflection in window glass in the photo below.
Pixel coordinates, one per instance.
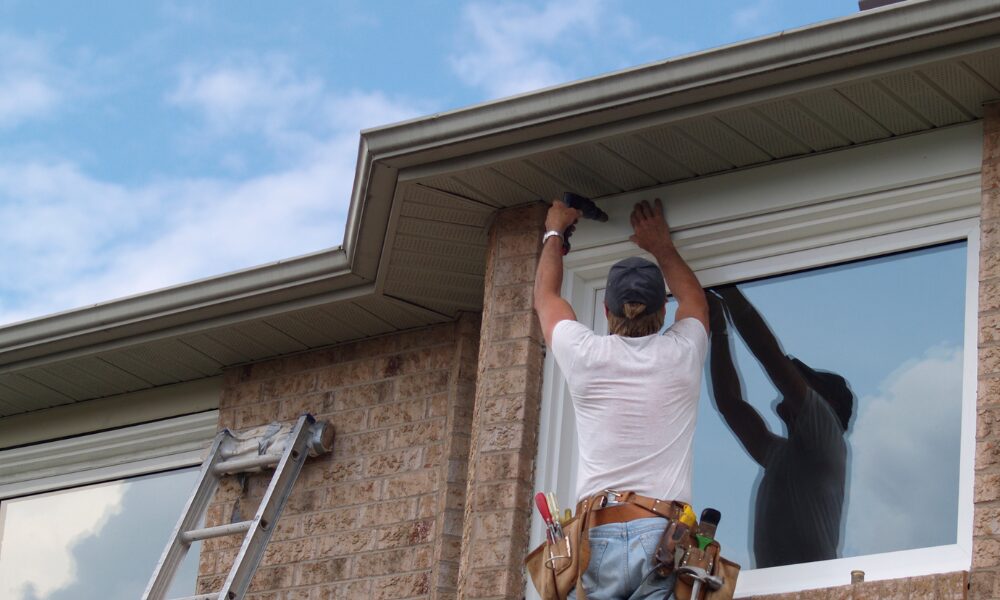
(96, 542)
(875, 346)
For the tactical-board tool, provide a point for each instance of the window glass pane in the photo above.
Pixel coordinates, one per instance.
(96, 542)
(876, 344)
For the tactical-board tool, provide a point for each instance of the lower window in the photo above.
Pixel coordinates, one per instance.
(93, 542)
(87, 517)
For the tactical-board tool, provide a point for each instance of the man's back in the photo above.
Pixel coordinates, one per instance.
(636, 403)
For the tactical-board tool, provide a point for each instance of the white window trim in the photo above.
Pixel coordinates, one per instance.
(921, 208)
(105, 456)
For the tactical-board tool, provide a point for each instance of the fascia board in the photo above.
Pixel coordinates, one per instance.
(873, 36)
(203, 301)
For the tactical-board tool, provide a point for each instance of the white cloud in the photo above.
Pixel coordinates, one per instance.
(904, 461)
(517, 48)
(82, 240)
(28, 79)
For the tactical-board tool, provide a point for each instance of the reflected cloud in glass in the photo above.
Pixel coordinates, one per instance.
(94, 542)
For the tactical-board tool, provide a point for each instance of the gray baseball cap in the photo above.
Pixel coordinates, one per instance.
(635, 279)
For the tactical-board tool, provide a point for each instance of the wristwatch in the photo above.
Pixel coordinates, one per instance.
(551, 233)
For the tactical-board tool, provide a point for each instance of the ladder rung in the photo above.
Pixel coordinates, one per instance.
(218, 531)
(237, 465)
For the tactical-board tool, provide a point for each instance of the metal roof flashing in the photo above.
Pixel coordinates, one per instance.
(375, 283)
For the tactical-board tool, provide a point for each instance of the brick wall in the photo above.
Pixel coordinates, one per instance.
(505, 422)
(985, 576)
(380, 517)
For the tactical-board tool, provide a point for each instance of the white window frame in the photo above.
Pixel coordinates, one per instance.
(924, 191)
(106, 456)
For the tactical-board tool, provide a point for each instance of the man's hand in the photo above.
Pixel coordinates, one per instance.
(561, 217)
(651, 231)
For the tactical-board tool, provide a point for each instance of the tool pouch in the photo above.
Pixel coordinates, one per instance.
(673, 545)
(710, 559)
(556, 568)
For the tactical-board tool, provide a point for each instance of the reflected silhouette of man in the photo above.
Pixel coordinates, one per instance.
(800, 498)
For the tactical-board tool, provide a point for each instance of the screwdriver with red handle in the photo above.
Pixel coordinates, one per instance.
(552, 530)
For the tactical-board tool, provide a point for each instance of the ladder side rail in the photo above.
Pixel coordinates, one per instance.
(269, 511)
(194, 510)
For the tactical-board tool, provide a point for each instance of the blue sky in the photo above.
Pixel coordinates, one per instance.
(146, 144)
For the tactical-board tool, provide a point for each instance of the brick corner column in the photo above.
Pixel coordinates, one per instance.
(985, 571)
(505, 419)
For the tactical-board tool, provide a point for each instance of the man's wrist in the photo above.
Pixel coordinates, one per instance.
(552, 233)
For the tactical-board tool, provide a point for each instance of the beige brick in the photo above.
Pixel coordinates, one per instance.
(985, 553)
(395, 413)
(296, 384)
(991, 202)
(332, 521)
(271, 578)
(494, 525)
(256, 414)
(293, 551)
(515, 271)
(487, 583)
(515, 326)
(322, 571)
(369, 442)
(351, 590)
(502, 409)
(401, 560)
(989, 361)
(990, 174)
(409, 459)
(987, 486)
(345, 542)
(346, 374)
(360, 396)
(408, 534)
(417, 434)
(319, 405)
(511, 299)
(988, 391)
(410, 484)
(384, 513)
(982, 585)
(951, 586)
(422, 384)
(989, 328)
(500, 466)
(241, 394)
(406, 585)
(987, 421)
(504, 436)
(987, 454)
(348, 494)
(989, 239)
(519, 243)
(514, 353)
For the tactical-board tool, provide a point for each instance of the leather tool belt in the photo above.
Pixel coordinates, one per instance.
(628, 506)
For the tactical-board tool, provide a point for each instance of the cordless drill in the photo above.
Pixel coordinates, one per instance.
(585, 206)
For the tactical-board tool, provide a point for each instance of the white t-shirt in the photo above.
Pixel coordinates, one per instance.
(636, 402)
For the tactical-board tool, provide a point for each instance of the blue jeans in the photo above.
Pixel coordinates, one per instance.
(621, 562)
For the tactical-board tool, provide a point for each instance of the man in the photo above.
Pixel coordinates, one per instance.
(634, 392)
(800, 498)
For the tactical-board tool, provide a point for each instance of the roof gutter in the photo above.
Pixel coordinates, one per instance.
(203, 300)
(880, 32)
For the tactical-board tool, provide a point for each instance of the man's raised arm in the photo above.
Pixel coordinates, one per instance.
(549, 304)
(653, 235)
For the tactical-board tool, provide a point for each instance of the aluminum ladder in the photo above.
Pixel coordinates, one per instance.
(277, 447)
